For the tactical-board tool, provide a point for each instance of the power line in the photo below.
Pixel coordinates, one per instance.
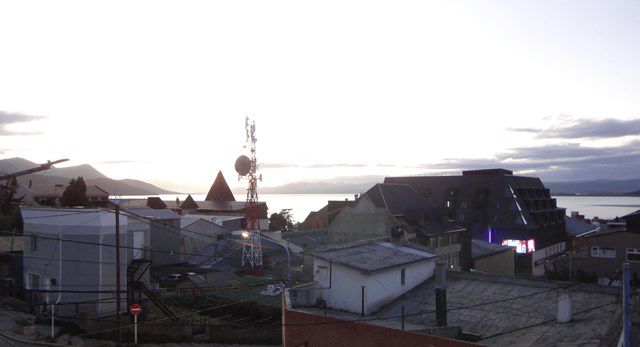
(40, 236)
(209, 289)
(177, 315)
(432, 311)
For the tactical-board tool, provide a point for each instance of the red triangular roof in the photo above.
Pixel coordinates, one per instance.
(155, 203)
(189, 203)
(220, 190)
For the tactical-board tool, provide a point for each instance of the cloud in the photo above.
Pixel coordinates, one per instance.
(312, 166)
(565, 161)
(116, 162)
(587, 128)
(7, 118)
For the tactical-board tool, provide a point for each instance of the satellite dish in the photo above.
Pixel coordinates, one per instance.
(243, 165)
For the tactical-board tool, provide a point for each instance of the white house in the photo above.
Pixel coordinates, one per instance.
(365, 277)
(70, 250)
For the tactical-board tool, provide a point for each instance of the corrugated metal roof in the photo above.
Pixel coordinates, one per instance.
(489, 305)
(578, 228)
(152, 213)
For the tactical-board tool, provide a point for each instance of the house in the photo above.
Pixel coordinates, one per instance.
(49, 195)
(164, 234)
(473, 308)
(325, 216)
(391, 210)
(70, 248)
(493, 258)
(577, 229)
(603, 256)
(363, 278)
(220, 201)
(11, 278)
(423, 222)
(305, 243)
(362, 221)
(315, 220)
(196, 234)
(500, 207)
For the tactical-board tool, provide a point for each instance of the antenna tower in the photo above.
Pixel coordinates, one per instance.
(252, 249)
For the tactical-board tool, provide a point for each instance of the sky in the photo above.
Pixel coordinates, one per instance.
(159, 91)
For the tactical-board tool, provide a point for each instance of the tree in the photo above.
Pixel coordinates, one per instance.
(75, 194)
(281, 221)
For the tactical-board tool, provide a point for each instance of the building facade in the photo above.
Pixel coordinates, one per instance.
(499, 207)
(68, 249)
(362, 278)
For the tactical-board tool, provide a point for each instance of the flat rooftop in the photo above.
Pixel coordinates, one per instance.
(504, 311)
(514, 311)
(374, 256)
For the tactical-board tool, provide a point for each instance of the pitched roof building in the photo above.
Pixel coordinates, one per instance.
(220, 190)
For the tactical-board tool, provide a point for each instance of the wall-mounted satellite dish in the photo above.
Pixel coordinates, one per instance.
(243, 165)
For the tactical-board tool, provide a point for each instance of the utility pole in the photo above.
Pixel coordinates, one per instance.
(626, 304)
(118, 273)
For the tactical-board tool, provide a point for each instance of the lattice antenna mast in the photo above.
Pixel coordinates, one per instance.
(252, 249)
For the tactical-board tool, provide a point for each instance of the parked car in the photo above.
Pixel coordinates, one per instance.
(172, 277)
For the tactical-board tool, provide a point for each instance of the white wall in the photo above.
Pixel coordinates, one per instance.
(82, 264)
(381, 287)
(540, 255)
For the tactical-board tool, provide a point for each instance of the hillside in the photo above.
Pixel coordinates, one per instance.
(595, 187)
(91, 175)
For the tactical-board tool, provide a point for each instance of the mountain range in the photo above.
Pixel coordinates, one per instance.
(92, 176)
(342, 185)
(336, 185)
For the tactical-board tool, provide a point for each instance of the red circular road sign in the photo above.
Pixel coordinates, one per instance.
(135, 309)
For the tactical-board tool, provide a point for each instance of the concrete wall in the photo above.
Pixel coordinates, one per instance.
(620, 241)
(306, 329)
(502, 263)
(165, 237)
(199, 234)
(143, 230)
(85, 265)
(381, 287)
(359, 222)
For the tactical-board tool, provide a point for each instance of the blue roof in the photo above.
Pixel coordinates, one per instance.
(308, 239)
(226, 254)
(578, 228)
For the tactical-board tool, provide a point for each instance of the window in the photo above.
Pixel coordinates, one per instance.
(34, 244)
(603, 252)
(454, 238)
(34, 281)
(633, 254)
(402, 276)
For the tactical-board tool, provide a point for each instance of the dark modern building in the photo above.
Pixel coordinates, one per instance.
(499, 207)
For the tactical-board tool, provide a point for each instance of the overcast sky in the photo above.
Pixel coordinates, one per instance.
(158, 90)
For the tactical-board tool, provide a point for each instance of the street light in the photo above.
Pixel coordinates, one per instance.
(246, 234)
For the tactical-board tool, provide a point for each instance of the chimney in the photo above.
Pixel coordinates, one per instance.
(466, 258)
(441, 293)
(564, 307)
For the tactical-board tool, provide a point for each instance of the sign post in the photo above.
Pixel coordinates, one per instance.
(135, 310)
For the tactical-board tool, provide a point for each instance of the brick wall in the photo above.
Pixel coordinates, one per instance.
(304, 329)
